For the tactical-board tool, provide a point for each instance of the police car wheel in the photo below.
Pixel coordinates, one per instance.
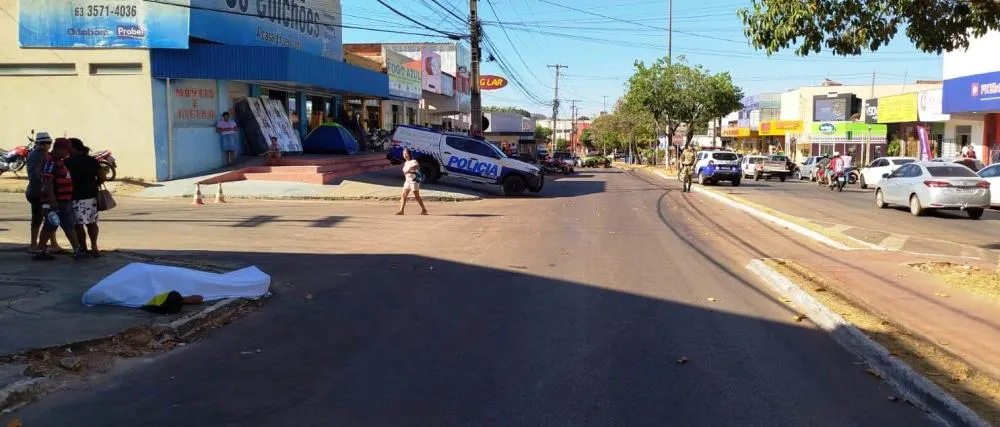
(430, 171)
(513, 186)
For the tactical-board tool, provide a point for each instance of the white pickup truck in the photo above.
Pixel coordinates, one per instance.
(463, 157)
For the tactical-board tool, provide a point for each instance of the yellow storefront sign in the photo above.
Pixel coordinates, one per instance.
(742, 131)
(730, 132)
(780, 127)
(898, 108)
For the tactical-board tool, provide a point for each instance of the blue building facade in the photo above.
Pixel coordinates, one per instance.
(289, 51)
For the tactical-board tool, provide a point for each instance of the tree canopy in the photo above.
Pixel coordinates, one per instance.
(853, 26)
(679, 93)
(542, 132)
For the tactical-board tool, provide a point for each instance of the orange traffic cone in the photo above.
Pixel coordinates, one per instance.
(219, 197)
(197, 196)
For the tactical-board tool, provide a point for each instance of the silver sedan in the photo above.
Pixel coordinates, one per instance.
(927, 186)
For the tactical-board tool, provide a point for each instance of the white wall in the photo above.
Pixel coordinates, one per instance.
(981, 57)
(951, 150)
(106, 111)
(791, 105)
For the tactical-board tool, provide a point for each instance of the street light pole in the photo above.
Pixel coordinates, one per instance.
(476, 113)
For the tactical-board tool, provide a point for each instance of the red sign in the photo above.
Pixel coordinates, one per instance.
(491, 82)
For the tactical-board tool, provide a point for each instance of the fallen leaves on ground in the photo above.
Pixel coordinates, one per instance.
(800, 317)
(938, 294)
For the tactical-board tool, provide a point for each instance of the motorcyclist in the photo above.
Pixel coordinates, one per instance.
(688, 158)
(837, 167)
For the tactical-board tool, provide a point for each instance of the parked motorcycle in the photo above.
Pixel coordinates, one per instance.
(109, 167)
(15, 160)
(377, 139)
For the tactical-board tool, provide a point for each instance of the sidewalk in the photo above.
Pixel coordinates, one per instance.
(962, 323)
(40, 301)
(379, 186)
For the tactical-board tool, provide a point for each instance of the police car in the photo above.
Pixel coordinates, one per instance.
(714, 166)
(460, 156)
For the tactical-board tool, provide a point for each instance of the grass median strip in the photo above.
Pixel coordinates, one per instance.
(978, 391)
(966, 277)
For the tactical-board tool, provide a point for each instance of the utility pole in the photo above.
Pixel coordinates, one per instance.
(555, 106)
(670, 61)
(572, 129)
(605, 103)
(476, 119)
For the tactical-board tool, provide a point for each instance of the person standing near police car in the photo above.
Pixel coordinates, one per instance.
(688, 158)
(411, 170)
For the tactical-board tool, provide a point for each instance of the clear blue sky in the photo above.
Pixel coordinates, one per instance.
(600, 52)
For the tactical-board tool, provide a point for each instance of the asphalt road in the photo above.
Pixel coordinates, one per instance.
(569, 309)
(856, 207)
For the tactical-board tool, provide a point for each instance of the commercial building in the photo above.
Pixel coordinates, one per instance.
(151, 87)
(442, 98)
(511, 132)
(971, 95)
(832, 117)
(913, 120)
(566, 129)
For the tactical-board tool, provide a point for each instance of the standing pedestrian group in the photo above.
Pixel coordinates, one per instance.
(63, 187)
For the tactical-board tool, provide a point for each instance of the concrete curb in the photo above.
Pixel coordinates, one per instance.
(916, 388)
(768, 217)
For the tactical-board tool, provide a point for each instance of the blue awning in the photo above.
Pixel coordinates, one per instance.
(267, 64)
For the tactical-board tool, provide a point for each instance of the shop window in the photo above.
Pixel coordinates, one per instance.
(115, 69)
(395, 116)
(411, 116)
(37, 69)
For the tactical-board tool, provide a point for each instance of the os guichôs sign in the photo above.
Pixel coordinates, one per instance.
(312, 26)
(130, 24)
(491, 82)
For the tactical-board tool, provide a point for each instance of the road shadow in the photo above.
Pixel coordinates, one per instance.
(380, 339)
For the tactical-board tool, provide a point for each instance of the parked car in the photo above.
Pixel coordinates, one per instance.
(881, 166)
(807, 170)
(992, 175)
(714, 166)
(772, 167)
(975, 164)
(466, 158)
(748, 164)
(927, 186)
(527, 158)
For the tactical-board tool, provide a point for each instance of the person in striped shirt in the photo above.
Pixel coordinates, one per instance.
(57, 197)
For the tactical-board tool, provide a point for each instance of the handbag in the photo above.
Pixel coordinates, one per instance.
(104, 199)
(418, 177)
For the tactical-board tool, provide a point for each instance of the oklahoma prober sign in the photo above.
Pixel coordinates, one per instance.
(491, 82)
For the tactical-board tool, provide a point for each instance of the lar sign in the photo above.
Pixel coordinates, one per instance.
(489, 82)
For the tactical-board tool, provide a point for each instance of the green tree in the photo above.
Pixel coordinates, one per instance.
(562, 144)
(542, 132)
(606, 133)
(851, 27)
(679, 93)
(587, 139)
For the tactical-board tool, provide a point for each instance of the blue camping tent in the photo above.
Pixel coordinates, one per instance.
(330, 138)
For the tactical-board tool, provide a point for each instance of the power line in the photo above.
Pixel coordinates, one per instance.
(512, 46)
(447, 34)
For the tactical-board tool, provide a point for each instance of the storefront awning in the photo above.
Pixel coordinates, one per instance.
(267, 64)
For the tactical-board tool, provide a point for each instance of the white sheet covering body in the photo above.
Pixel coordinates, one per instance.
(135, 284)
